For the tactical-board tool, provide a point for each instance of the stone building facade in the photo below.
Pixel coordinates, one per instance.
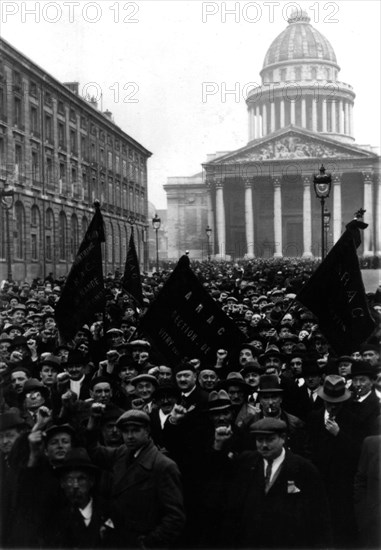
(58, 153)
(259, 200)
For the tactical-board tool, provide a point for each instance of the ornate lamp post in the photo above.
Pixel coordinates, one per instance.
(208, 232)
(327, 220)
(6, 199)
(156, 224)
(322, 188)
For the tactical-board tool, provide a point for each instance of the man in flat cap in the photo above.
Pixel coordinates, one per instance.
(269, 498)
(147, 497)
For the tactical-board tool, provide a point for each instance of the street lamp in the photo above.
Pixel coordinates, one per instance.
(327, 220)
(208, 232)
(156, 223)
(322, 187)
(6, 199)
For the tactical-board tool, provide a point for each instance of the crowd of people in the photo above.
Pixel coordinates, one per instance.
(104, 443)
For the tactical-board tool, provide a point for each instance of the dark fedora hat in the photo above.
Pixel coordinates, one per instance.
(11, 419)
(77, 459)
(333, 389)
(363, 368)
(269, 383)
(252, 366)
(235, 379)
(33, 384)
(218, 401)
(271, 351)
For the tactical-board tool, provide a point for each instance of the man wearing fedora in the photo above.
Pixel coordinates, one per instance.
(270, 396)
(332, 432)
(238, 392)
(82, 519)
(270, 497)
(365, 404)
(147, 499)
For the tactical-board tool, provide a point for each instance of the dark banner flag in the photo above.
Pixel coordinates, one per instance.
(131, 279)
(83, 293)
(184, 320)
(335, 294)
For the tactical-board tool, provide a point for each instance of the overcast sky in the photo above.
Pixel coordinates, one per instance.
(152, 61)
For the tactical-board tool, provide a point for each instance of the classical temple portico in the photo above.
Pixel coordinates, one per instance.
(259, 200)
(281, 215)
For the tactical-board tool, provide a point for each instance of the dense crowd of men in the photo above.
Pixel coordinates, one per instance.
(106, 444)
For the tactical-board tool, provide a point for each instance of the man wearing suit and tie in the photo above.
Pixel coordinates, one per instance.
(269, 498)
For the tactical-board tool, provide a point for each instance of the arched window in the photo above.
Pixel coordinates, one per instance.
(62, 227)
(85, 224)
(35, 232)
(49, 235)
(74, 236)
(19, 248)
(110, 249)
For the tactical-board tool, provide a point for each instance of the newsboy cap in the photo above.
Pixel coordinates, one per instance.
(134, 417)
(268, 425)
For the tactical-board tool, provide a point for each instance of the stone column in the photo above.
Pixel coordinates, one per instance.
(278, 245)
(292, 112)
(249, 124)
(258, 122)
(264, 119)
(307, 230)
(304, 113)
(333, 116)
(336, 214)
(368, 216)
(351, 129)
(378, 214)
(249, 218)
(346, 118)
(220, 215)
(210, 187)
(272, 117)
(324, 114)
(282, 116)
(341, 117)
(314, 115)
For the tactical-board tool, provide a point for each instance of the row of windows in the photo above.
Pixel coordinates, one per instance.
(61, 240)
(299, 73)
(64, 127)
(70, 178)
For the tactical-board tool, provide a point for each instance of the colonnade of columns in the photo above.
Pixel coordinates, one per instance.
(335, 117)
(217, 219)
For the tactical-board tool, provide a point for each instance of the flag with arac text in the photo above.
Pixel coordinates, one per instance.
(335, 294)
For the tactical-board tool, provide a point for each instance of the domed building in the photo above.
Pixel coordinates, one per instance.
(259, 200)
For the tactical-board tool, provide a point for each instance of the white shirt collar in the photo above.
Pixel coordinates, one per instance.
(187, 394)
(87, 512)
(277, 462)
(163, 417)
(363, 397)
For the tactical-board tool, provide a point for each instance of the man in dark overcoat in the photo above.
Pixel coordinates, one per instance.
(147, 500)
(271, 497)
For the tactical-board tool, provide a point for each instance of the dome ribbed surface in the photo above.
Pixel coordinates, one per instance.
(299, 40)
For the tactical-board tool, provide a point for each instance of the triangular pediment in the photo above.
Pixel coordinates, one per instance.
(293, 143)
